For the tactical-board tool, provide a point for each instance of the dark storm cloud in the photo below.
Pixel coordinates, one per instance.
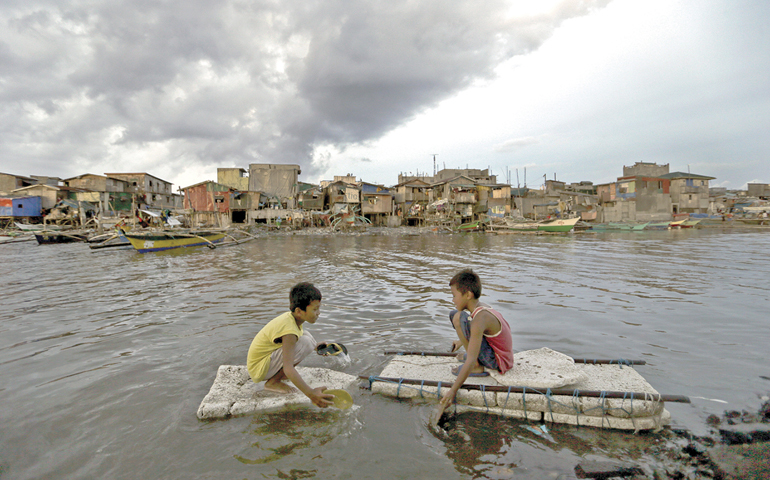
(238, 81)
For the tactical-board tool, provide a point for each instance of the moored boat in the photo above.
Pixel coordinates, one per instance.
(470, 227)
(47, 238)
(145, 242)
(658, 226)
(559, 225)
(28, 227)
(676, 224)
(689, 223)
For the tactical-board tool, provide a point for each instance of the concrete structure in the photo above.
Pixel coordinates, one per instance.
(53, 181)
(279, 181)
(647, 192)
(477, 175)
(151, 191)
(689, 192)
(10, 182)
(113, 194)
(97, 183)
(759, 190)
(237, 178)
(635, 199)
(645, 169)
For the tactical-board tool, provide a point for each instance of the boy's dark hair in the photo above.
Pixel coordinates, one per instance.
(467, 281)
(302, 295)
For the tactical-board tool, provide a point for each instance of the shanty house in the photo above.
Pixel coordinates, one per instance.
(275, 180)
(9, 182)
(151, 191)
(49, 195)
(113, 193)
(411, 197)
(20, 207)
(376, 203)
(237, 178)
(310, 197)
(689, 192)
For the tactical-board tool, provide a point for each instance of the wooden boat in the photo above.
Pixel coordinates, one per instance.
(109, 240)
(47, 238)
(558, 225)
(689, 223)
(145, 242)
(513, 228)
(36, 227)
(676, 224)
(470, 227)
(658, 226)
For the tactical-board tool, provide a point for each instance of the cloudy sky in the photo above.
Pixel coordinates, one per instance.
(565, 88)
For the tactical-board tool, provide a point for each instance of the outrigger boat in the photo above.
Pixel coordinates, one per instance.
(145, 242)
(46, 237)
(156, 241)
(560, 225)
(28, 227)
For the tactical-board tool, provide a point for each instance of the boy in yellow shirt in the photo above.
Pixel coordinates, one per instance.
(283, 343)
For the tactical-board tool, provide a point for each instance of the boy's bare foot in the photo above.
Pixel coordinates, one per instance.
(477, 371)
(280, 387)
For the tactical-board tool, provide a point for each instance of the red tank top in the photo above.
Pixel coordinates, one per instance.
(502, 343)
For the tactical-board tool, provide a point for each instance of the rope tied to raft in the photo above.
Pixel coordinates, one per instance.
(548, 397)
(398, 390)
(484, 396)
(421, 384)
(576, 406)
(621, 361)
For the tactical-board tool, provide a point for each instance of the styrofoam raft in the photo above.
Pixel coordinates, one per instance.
(626, 414)
(233, 393)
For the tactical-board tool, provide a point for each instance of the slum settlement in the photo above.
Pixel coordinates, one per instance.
(647, 196)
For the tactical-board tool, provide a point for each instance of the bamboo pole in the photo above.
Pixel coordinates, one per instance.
(189, 235)
(589, 361)
(655, 397)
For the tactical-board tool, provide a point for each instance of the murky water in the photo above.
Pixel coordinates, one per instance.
(105, 356)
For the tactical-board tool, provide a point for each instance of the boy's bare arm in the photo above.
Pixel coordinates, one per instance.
(314, 394)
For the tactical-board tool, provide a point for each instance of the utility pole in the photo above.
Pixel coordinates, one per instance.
(434, 163)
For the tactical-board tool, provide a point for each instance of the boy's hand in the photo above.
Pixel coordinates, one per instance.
(320, 399)
(447, 399)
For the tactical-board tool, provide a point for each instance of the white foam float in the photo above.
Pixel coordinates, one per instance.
(234, 393)
(539, 370)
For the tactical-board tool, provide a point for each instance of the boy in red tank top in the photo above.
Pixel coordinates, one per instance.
(486, 335)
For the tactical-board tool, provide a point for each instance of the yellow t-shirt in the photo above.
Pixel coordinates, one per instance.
(264, 344)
